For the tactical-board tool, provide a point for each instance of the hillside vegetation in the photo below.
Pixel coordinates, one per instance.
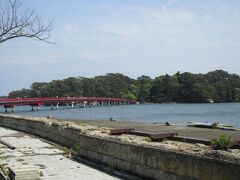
(215, 86)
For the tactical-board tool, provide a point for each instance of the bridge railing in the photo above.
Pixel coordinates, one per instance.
(40, 101)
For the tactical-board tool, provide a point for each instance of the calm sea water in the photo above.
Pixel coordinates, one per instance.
(227, 113)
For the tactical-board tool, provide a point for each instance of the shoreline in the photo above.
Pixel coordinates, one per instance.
(182, 130)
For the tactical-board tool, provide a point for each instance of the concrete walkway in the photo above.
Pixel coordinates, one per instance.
(50, 160)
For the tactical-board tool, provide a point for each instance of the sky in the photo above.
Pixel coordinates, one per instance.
(133, 37)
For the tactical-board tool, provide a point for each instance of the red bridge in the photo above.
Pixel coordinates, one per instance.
(79, 101)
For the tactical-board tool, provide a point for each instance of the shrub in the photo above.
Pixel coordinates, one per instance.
(222, 143)
(76, 150)
(148, 139)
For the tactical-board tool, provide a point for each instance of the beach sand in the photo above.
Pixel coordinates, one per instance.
(182, 130)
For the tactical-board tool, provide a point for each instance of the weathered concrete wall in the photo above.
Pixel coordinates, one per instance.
(144, 161)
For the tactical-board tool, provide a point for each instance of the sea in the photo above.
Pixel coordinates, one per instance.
(225, 113)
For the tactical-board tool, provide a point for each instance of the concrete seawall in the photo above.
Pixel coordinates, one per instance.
(142, 160)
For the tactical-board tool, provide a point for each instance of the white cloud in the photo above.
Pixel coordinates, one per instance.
(71, 29)
(151, 31)
(166, 15)
(96, 55)
(28, 60)
(170, 2)
(119, 29)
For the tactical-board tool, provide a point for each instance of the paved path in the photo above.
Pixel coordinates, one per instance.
(31, 151)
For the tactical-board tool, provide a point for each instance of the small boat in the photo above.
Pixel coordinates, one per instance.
(201, 125)
(226, 127)
(214, 125)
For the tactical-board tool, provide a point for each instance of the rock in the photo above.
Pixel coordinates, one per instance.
(200, 145)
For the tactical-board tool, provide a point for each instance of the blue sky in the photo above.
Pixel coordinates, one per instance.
(133, 37)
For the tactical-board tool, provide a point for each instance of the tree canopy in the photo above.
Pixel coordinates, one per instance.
(215, 86)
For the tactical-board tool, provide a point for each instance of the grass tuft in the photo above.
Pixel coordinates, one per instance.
(222, 143)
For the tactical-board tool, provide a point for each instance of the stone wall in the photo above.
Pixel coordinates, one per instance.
(148, 162)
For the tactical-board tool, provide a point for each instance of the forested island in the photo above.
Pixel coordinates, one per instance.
(215, 86)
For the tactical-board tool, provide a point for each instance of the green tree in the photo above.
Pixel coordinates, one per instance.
(217, 86)
(144, 86)
(165, 89)
(39, 89)
(20, 93)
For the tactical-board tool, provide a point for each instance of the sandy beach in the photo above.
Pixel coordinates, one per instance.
(182, 130)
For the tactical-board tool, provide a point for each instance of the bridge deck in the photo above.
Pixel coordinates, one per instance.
(11, 102)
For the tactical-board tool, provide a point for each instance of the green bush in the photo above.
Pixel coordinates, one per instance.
(222, 143)
(148, 139)
(76, 150)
